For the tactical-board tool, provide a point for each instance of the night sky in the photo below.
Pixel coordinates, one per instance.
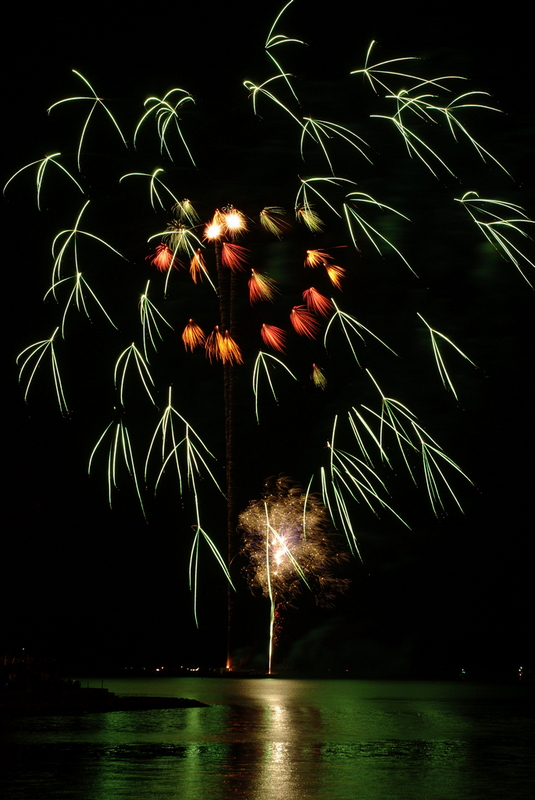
(100, 588)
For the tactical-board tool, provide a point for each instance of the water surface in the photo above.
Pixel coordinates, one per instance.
(281, 740)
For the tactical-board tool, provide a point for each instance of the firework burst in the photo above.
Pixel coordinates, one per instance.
(274, 220)
(306, 214)
(317, 377)
(193, 336)
(197, 267)
(316, 302)
(317, 258)
(288, 544)
(222, 347)
(234, 256)
(234, 222)
(305, 324)
(287, 539)
(261, 287)
(163, 258)
(273, 337)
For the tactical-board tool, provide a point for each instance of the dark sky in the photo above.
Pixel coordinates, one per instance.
(97, 587)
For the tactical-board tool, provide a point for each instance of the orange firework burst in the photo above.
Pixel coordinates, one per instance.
(213, 345)
(317, 258)
(193, 336)
(261, 287)
(197, 266)
(231, 353)
(304, 323)
(318, 377)
(163, 258)
(273, 337)
(234, 256)
(273, 219)
(335, 274)
(317, 302)
(222, 347)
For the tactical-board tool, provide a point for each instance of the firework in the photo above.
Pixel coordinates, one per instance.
(305, 324)
(36, 352)
(317, 377)
(184, 210)
(234, 256)
(155, 184)
(273, 219)
(317, 258)
(214, 229)
(181, 238)
(43, 164)
(261, 287)
(163, 258)
(498, 229)
(234, 222)
(316, 302)
(128, 356)
(197, 266)
(441, 366)
(150, 315)
(288, 545)
(98, 102)
(321, 131)
(365, 439)
(274, 337)
(306, 214)
(265, 360)
(71, 237)
(335, 274)
(277, 39)
(120, 445)
(166, 114)
(222, 347)
(193, 336)
(230, 350)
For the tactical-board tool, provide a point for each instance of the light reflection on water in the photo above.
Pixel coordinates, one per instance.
(282, 740)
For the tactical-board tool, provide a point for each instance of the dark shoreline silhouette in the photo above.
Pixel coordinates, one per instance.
(82, 701)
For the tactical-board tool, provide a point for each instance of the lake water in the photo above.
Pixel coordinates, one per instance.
(278, 739)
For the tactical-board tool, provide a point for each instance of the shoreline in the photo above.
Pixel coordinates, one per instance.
(83, 701)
